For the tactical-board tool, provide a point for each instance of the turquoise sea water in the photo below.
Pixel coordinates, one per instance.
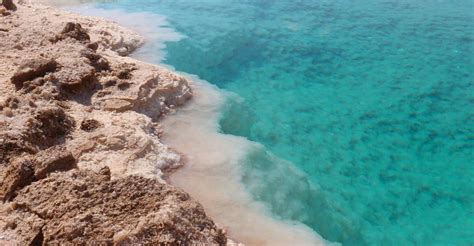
(371, 101)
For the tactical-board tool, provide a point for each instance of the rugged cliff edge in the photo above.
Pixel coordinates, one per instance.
(80, 156)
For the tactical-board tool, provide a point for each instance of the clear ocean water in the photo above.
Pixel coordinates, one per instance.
(372, 101)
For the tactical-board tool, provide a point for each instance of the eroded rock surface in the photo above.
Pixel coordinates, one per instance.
(31, 69)
(81, 59)
(23, 171)
(80, 157)
(79, 207)
(73, 30)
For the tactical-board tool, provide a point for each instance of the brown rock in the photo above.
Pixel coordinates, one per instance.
(21, 227)
(23, 171)
(31, 85)
(47, 203)
(96, 60)
(124, 211)
(48, 127)
(15, 176)
(93, 46)
(8, 4)
(110, 82)
(123, 85)
(8, 112)
(89, 125)
(3, 11)
(72, 30)
(33, 68)
(11, 146)
(56, 158)
(12, 102)
(82, 76)
(105, 173)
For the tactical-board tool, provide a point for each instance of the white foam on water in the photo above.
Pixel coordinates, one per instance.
(212, 170)
(212, 173)
(153, 27)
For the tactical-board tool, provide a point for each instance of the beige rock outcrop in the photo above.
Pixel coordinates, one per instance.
(81, 161)
(79, 207)
(23, 171)
(33, 68)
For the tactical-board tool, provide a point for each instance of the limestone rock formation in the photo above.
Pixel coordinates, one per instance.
(72, 30)
(90, 125)
(79, 207)
(33, 68)
(81, 161)
(54, 159)
(15, 176)
(23, 171)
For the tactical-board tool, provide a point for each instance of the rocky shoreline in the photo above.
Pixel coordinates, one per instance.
(80, 154)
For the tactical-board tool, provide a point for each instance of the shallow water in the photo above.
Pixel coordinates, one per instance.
(364, 109)
(212, 173)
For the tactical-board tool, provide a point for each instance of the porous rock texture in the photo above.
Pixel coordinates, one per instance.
(80, 207)
(81, 161)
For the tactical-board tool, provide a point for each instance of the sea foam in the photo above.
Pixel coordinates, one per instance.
(153, 27)
(212, 173)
